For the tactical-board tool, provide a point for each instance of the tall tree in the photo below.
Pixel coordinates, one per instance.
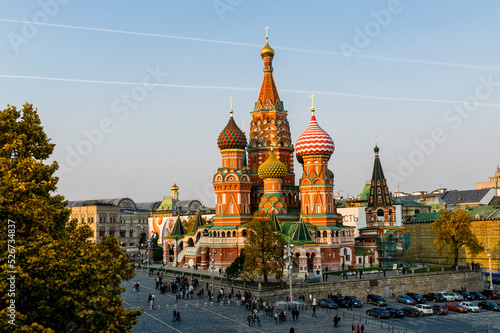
(63, 281)
(453, 231)
(263, 248)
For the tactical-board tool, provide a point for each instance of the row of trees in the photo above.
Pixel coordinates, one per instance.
(62, 282)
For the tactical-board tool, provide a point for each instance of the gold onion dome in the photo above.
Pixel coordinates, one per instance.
(272, 168)
(174, 187)
(267, 50)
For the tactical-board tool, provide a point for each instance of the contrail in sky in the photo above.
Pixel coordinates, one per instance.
(386, 98)
(405, 60)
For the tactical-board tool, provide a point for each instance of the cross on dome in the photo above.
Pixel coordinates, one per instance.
(312, 102)
(266, 28)
(231, 105)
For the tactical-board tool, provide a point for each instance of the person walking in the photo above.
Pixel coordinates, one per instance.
(314, 311)
(349, 305)
(292, 330)
(362, 328)
(353, 326)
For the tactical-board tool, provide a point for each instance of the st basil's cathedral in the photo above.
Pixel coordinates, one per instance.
(257, 175)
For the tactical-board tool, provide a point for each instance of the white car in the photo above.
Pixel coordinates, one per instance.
(470, 306)
(458, 297)
(424, 309)
(447, 297)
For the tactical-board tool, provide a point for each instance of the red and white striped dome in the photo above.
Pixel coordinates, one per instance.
(314, 141)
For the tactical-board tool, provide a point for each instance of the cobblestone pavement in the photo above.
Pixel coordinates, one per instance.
(198, 315)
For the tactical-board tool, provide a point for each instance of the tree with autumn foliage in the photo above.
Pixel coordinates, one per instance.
(453, 231)
(264, 249)
(63, 281)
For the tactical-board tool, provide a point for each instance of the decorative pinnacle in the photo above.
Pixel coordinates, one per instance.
(376, 137)
(312, 103)
(231, 105)
(243, 127)
(266, 28)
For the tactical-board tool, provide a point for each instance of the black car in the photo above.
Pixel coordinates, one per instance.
(395, 312)
(411, 311)
(433, 297)
(327, 303)
(477, 295)
(340, 300)
(440, 309)
(419, 299)
(491, 294)
(467, 296)
(356, 303)
(492, 306)
(378, 312)
(376, 299)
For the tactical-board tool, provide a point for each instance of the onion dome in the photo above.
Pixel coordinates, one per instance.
(376, 149)
(174, 187)
(272, 168)
(314, 141)
(231, 136)
(267, 50)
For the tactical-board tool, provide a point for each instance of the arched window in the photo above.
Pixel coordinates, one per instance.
(131, 233)
(390, 215)
(318, 233)
(234, 233)
(244, 233)
(102, 232)
(337, 233)
(112, 231)
(325, 234)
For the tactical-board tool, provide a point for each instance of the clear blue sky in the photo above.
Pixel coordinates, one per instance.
(411, 66)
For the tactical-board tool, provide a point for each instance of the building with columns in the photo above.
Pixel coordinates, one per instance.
(256, 174)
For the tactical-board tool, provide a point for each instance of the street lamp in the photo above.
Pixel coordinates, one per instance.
(489, 256)
(289, 266)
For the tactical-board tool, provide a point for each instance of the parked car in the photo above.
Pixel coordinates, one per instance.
(419, 299)
(477, 295)
(340, 300)
(491, 294)
(467, 296)
(439, 309)
(433, 297)
(378, 312)
(410, 311)
(395, 312)
(445, 296)
(458, 297)
(424, 309)
(405, 299)
(327, 303)
(355, 301)
(454, 306)
(471, 307)
(376, 299)
(488, 305)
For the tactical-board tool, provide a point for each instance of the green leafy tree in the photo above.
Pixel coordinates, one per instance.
(63, 282)
(263, 249)
(453, 231)
(235, 269)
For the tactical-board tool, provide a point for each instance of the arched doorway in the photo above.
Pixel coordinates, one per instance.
(310, 262)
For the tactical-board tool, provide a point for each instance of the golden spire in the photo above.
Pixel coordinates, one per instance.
(267, 50)
(312, 103)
